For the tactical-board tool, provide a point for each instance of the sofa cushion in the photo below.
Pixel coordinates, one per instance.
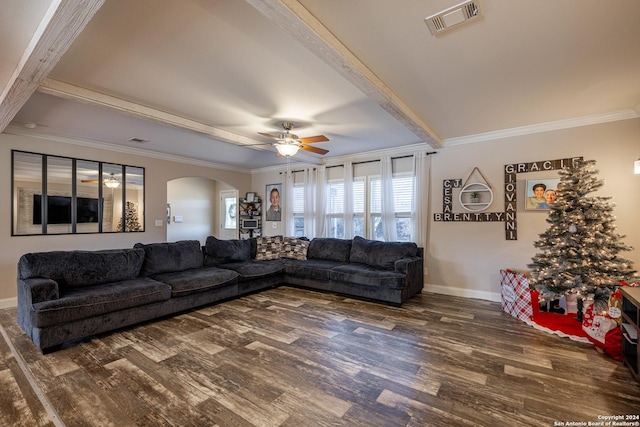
(366, 275)
(85, 302)
(196, 280)
(294, 248)
(311, 268)
(217, 251)
(268, 247)
(380, 254)
(82, 268)
(255, 269)
(330, 249)
(171, 256)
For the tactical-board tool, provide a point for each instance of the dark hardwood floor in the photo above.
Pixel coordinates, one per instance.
(290, 357)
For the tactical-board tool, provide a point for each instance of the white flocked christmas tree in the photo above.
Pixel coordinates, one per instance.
(579, 252)
(130, 221)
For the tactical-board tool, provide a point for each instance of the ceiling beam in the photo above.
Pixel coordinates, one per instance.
(294, 18)
(76, 93)
(63, 22)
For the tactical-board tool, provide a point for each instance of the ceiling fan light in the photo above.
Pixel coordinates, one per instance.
(287, 150)
(112, 182)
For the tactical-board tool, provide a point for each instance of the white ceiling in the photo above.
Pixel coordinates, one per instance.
(198, 78)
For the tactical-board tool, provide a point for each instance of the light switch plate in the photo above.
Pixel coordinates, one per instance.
(158, 223)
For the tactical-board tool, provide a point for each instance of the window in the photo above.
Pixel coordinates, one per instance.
(403, 199)
(370, 225)
(359, 204)
(335, 209)
(298, 210)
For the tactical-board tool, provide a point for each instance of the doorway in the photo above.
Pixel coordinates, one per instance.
(195, 210)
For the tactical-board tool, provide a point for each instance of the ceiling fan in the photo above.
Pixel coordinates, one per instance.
(111, 182)
(288, 143)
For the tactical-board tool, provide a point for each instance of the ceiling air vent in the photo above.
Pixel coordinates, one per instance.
(452, 16)
(138, 140)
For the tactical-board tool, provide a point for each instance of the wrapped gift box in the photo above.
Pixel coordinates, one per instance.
(517, 298)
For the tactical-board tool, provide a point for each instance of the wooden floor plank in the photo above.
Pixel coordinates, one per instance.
(289, 357)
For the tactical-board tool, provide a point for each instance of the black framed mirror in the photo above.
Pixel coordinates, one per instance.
(62, 195)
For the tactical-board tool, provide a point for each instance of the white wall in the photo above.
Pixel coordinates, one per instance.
(195, 200)
(158, 172)
(465, 258)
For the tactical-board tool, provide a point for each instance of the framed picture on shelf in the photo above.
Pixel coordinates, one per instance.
(250, 197)
(541, 194)
(273, 192)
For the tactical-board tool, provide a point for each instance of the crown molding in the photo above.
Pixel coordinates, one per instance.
(17, 130)
(544, 127)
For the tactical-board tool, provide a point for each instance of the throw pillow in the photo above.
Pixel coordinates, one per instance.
(268, 247)
(294, 248)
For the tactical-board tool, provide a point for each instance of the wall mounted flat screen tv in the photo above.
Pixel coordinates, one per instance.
(59, 209)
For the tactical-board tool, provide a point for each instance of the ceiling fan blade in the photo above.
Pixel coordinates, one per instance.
(90, 180)
(314, 149)
(268, 135)
(312, 139)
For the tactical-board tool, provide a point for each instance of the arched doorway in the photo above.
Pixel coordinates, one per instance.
(194, 209)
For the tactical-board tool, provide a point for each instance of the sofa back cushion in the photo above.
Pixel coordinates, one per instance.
(329, 249)
(218, 251)
(171, 256)
(82, 268)
(381, 254)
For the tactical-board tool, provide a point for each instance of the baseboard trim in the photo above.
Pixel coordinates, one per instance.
(8, 302)
(459, 292)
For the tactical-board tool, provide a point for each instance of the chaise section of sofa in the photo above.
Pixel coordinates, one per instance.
(388, 272)
(385, 271)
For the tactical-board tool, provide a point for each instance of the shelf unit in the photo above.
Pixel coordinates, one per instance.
(485, 197)
(250, 216)
(630, 328)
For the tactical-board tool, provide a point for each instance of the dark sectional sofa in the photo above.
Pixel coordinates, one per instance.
(64, 296)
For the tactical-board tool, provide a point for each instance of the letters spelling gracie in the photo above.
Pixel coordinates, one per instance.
(546, 165)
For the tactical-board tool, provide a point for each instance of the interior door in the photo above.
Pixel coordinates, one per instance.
(228, 214)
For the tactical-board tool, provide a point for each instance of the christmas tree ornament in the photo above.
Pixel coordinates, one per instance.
(572, 228)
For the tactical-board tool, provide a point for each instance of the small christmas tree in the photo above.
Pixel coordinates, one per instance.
(579, 250)
(131, 218)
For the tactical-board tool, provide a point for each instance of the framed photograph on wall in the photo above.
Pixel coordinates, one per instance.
(250, 197)
(273, 193)
(541, 194)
